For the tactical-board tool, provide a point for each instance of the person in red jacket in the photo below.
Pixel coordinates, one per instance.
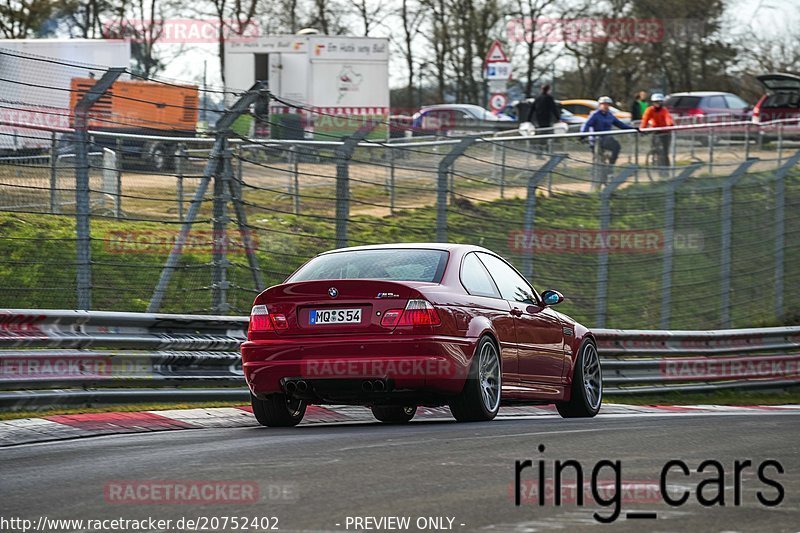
(657, 116)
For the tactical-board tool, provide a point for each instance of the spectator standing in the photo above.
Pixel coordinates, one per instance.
(544, 111)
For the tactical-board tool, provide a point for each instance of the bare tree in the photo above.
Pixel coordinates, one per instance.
(23, 18)
(85, 18)
(535, 34)
(370, 17)
(439, 39)
(326, 16)
(411, 16)
(235, 17)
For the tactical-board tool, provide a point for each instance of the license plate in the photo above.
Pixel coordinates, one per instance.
(334, 316)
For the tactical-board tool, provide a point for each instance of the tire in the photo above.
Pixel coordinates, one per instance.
(480, 399)
(587, 394)
(277, 411)
(161, 157)
(394, 414)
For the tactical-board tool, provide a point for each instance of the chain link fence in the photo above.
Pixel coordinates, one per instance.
(130, 212)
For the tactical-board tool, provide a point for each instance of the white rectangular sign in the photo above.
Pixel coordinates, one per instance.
(497, 71)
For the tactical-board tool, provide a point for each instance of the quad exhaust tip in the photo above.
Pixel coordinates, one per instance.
(374, 385)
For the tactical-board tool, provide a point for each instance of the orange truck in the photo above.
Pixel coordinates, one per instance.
(144, 108)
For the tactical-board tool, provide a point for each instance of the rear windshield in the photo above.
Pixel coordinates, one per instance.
(681, 102)
(782, 99)
(399, 264)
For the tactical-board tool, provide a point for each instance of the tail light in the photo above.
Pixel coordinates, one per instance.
(756, 118)
(263, 320)
(696, 112)
(416, 313)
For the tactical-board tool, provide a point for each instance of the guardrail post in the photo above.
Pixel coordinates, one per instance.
(605, 220)
(82, 207)
(343, 154)
(725, 260)
(780, 236)
(214, 166)
(530, 210)
(669, 242)
(445, 164)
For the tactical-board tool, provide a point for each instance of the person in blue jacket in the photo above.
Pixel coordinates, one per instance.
(602, 119)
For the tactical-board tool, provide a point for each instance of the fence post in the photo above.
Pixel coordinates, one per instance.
(747, 141)
(502, 171)
(343, 154)
(118, 197)
(392, 191)
(711, 151)
(605, 220)
(530, 210)
(725, 260)
(669, 242)
(673, 143)
(82, 207)
(54, 208)
(295, 186)
(213, 164)
(219, 276)
(179, 176)
(780, 236)
(445, 164)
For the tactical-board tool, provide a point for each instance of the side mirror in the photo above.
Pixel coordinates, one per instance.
(551, 297)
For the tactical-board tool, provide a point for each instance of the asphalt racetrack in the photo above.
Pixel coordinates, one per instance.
(437, 474)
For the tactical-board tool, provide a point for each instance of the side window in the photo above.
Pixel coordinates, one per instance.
(583, 110)
(476, 279)
(716, 101)
(734, 102)
(512, 286)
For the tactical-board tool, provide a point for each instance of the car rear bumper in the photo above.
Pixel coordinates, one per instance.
(407, 365)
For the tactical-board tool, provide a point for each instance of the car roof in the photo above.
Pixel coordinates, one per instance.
(452, 106)
(701, 93)
(443, 246)
(587, 101)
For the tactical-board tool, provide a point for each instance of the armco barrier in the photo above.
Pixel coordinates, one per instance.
(54, 357)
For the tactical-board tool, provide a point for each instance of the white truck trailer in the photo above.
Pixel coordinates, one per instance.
(331, 84)
(35, 79)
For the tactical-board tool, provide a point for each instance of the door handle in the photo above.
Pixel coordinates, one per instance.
(516, 311)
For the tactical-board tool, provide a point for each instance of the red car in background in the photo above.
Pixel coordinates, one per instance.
(394, 327)
(781, 102)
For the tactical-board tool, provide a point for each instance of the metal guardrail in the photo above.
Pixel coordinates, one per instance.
(54, 357)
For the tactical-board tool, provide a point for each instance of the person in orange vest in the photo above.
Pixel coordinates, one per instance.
(657, 116)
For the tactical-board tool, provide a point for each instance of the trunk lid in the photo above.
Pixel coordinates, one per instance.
(336, 307)
(780, 82)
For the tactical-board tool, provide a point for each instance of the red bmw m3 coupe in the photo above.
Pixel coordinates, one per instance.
(394, 327)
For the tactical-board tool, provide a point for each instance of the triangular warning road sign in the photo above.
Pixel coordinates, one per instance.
(496, 53)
